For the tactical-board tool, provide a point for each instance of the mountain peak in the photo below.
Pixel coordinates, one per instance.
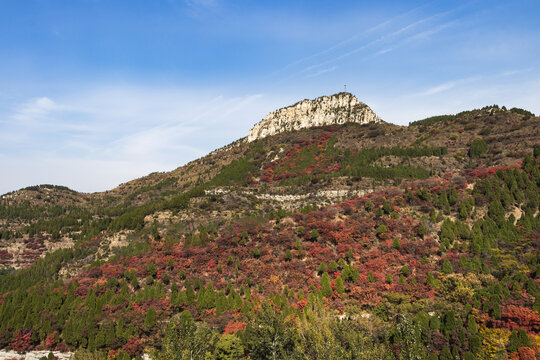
(335, 109)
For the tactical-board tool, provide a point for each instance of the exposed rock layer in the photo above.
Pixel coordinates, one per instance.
(326, 110)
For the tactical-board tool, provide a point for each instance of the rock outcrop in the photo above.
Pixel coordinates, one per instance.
(326, 110)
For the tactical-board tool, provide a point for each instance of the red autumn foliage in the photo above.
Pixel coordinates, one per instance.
(234, 326)
(523, 353)
(526, 353)
(85, 284)
(50, 341)
(481, 173)
(304, 158)
(22, 341)
(348, 226)
(133, 347)
(515, 317)
(5, 257)
(300, 304)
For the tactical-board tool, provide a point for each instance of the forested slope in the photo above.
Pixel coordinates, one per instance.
(428, 250)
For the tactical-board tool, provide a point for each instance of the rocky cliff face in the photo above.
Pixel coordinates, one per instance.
(326, 110)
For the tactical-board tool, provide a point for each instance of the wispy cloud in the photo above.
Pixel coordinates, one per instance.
(241, 103)
(35, 108)
(199, 8)
(140, 128)
(383, 51)
(358, 36)
(462, 94)
(515, 72)
(372, 43)
(386, 39)
(208, 4)
(323, 71)
(447, 86)
(430, 32)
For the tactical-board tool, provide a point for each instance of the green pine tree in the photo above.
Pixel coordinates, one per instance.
(326, 288)
(338, 282)
(472, 328)
(518, 339)
(150, 319)
(451, 323)
(447, 267)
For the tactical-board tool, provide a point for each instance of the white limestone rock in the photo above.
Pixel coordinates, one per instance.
(326, 110)
(31, 355)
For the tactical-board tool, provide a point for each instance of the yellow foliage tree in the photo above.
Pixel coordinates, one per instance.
(494, 342)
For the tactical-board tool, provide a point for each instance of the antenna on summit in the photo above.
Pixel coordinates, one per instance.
(345, 86)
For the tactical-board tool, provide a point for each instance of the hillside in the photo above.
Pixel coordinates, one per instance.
(343, 241)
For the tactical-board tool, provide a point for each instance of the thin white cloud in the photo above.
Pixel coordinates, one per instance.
(323, 71)
(428, 33)
(447, 86)
(134, 129)
(198, 9)
(458, 95)
(383, 51)
(439, 88)
(149, 143)
(395, 38)
(209, 4)
(515, 72)
(241, 103)
(388, 38)
(88, 175)
(360, 35)
(35, 108)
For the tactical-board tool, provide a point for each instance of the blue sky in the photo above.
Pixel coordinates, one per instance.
(94, 93)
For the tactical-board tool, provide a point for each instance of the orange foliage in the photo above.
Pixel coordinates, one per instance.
(234, 326)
